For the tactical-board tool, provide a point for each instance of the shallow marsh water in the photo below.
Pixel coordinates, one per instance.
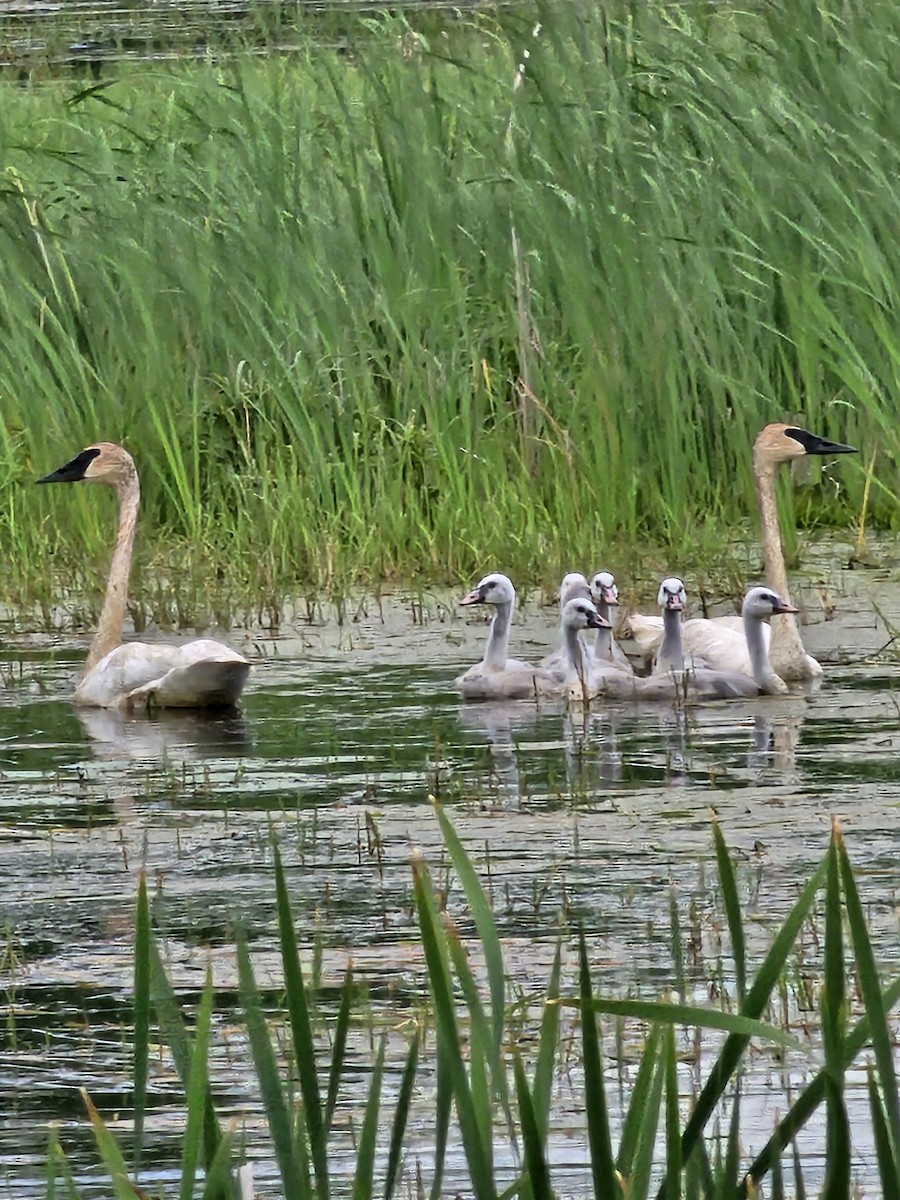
(347, 728)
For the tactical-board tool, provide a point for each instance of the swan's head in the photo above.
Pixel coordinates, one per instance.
(762, 602)
(493, 589)
(778, 443)
(603, 588)
(581, 614)
(104, 462)
(573, 585)
(672, 595)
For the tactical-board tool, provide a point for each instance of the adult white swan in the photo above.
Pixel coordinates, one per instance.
(775, 444)
(198, 674)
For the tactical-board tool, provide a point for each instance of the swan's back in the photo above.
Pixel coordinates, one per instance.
(199, 674)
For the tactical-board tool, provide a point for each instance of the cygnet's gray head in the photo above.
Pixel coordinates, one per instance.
(761, 602)
(603, 588)
(493, 589)
(573, 585)
(582, 614)
(672, 594)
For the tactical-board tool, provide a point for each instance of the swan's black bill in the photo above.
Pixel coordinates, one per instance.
(595, 621)
(72, 471)
(813, 444)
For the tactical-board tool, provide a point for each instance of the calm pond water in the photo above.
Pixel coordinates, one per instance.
(346, 730)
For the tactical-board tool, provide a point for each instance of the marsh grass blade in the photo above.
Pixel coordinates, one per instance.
(474, 1137)
(536, 1168)
(197, 1093)
(547, 1047)
(112, 1156)
(731, 901)
(758, 996)
(142, 1006)
(637, 1106)
(637, 1182)
(833, 1003)
(603, 1168)
(401, 1116)
(673, 1116)
(364, 1176)
(275, 1099)
(301, 1031)
(58, 1169)
(443, 1106)
(887, 1167)
(339, 1048)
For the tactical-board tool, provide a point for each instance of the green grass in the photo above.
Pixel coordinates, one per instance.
(497, 1066)
(288, 285)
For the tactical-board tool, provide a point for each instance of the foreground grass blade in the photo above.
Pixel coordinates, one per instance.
(436, 959)
(443, 1105)
(547, 1044)
(837, 1129)
(401, 1114)
(728, 884)
(637, 1184)
(141, 1015)
(637, 1105)
(301, 1030)
(888, 1176)
(603, 1168)
(197, 1093)
(814, 1093)
(882, 1038)
(339, 1047)
(273, 1096)
(112, 1156)
(58, 1167)
(363, 1178)
(757, 998)
(172, 1029)
(673, 1116)
(536, 1169)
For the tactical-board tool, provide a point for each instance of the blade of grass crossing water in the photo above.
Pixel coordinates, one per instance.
(443, 1105)
(141, 1016)
(640, 1094)
(547, 1046)
(436, 958)
(677, 946)
(401, 1115)
(728, 884)
(882, 1040)
(673, 1116)
(197, 1093)
(58, 1168)
(483, 916)
(777, 1179)
(603, 1168)
(218, 1173)
(755, 1002)
(364, 1176)
(814, 1092)
(536, 1168)
(275, 1102)
(338, 1048)
(729, 1178)
(889, 1179)
(301, 1030)
(111, 1154)
(637, 1183)
(837, 1128)
(172, 1029)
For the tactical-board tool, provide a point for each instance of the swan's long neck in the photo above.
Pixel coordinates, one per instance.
(763, 674)
(788, 656)
(112, 615)
(603, 644)
(497, 649)
(670, 656)
(574, 652)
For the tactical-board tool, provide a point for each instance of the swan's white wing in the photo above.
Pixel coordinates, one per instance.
(647, 633)
(127, 673)
(720, 644)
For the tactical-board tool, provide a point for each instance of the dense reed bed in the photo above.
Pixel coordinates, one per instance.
(406, 311)
(494, 1061)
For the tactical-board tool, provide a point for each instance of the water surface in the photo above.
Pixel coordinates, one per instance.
(347, 729)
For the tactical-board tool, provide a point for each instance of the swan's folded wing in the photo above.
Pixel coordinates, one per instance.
(129, 668)
(201, 684)
(719, 645)
(646, 632)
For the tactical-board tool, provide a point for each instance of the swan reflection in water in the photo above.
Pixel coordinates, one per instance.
(168, 734)
(498, 721)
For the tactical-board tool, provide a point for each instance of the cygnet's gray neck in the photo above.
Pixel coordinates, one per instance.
(671, 655)
(497, 650)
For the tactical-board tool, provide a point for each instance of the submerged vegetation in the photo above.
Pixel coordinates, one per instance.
(400, 312)
(492, 1063)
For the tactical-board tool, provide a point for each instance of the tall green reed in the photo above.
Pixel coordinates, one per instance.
(289, 285)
